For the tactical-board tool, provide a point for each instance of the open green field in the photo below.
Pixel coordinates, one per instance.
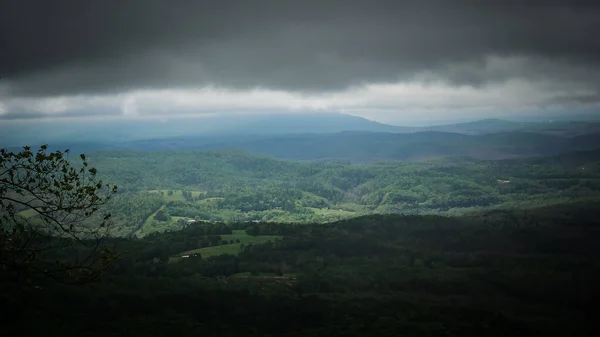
(148, 223)
(233, 248)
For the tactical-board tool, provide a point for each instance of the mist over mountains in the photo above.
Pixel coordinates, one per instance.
(324, 137)
(110, 132)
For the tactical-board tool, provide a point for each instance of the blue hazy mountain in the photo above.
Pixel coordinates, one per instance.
(117, 131)
(232, 131)
(362, 146)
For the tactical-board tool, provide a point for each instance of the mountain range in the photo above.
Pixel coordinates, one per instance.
(18, 133)
(324, 137)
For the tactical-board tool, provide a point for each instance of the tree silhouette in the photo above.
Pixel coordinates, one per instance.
(49, 220)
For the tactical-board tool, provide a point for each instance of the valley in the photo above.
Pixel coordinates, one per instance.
(456, 241)
(339, 168)
(238, 186)
(491, 231)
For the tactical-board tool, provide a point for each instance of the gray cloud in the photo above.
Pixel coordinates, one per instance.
(77, 113)
(98, 46)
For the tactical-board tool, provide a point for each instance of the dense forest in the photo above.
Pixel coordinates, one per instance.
(495, 273)
(234, 185)
(231, 243)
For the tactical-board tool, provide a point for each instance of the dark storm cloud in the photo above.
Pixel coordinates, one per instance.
(57, 47)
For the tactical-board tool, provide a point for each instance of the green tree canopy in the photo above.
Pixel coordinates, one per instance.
(49, 221)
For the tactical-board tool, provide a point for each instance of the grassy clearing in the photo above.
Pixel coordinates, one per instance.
(148, 223)
(232, 248)
(151, 217)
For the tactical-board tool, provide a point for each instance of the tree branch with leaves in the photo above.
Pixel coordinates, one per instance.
(50, 224)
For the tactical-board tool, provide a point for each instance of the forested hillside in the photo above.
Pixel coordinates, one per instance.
(500, 273)
(233, 185)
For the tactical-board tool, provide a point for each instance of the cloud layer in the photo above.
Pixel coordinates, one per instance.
(373, 57)
(427, 97)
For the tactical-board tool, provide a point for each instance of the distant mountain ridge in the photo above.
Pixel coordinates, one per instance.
(109, 133)
(363, 146)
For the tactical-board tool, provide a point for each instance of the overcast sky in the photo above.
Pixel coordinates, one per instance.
(390, 61)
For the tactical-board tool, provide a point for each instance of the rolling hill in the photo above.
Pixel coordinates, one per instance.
(235, 185)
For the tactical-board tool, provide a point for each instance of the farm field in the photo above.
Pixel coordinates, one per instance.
(232, 248)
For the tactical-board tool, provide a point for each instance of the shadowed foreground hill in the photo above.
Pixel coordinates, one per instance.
(501, 273)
